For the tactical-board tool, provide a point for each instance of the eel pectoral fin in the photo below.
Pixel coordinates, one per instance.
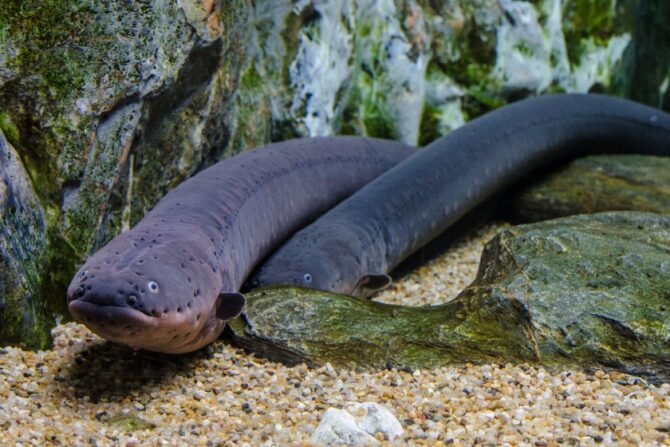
(230, 305)
(371, 283)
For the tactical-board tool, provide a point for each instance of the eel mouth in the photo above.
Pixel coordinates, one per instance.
(119, 324)
(132, 328)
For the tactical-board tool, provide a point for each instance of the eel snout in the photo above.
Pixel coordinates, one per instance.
(115, 323)
(116, 313)
(123, 312)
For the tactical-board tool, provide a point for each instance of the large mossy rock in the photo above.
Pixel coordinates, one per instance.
(110, 104)
(596, 287)
(107, 105)
(583, 290)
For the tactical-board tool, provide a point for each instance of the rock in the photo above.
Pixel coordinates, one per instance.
(584, 290)
(595, 287)
(594, 184)
(356, 425)
(108, 106)
(374, 418)
(295, 325)
(339, 427)
(26, 315)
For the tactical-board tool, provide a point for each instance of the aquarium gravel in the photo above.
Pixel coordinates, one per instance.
(86, 391)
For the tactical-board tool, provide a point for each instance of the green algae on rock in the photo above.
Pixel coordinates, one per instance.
(295, 325)
(582, 290)
(594, 184)
(596, 287)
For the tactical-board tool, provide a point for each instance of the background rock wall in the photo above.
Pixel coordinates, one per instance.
(105, 106)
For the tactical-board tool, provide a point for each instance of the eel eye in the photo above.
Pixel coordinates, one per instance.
(307, 278)
(153, 286)
(84, 274)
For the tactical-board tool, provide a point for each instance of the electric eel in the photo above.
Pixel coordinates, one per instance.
(351, 248)
(171, 282)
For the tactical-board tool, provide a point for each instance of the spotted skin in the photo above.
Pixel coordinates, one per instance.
(351, 248)
(170, 283)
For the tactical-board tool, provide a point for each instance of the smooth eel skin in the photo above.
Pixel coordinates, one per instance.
(170, 283)
(351, 248)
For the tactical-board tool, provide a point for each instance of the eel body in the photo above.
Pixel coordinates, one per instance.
(351, 248)
(170, 283)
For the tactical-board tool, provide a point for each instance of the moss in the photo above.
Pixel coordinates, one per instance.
(364, 30)
(598, 20)
(476, 49)
(9, 129)
(532, 301)
(429, 129)
(53, 59)
(294, 26)
(524, 48)
(42, 272)
(366, 111)
(352, 331)
(60, 263)
(483, 92)
(48, 35)
(251, 79)
(255, 123)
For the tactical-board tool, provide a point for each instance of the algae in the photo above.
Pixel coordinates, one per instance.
(8, 127)
(294, 325)
(599, 20)
(595, 286)
(51, 37)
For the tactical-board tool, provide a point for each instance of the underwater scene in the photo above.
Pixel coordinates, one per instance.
(345, 222)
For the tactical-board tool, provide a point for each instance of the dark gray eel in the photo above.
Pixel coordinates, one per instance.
(351, 248)
(170, 283)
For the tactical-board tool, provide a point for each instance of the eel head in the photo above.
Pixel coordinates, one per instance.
(322, 271)
(152, 292)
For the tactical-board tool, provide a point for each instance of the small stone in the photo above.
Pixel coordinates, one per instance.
(130, 423)
(376, 419)
(339, 427)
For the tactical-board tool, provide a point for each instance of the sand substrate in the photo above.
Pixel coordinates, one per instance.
(86, 391)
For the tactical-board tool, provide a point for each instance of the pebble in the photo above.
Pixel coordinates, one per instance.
(357, 424)
(226, 397)
(339, 427)
(375, 419)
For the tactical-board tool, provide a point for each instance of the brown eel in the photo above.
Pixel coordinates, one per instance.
(170, 283)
